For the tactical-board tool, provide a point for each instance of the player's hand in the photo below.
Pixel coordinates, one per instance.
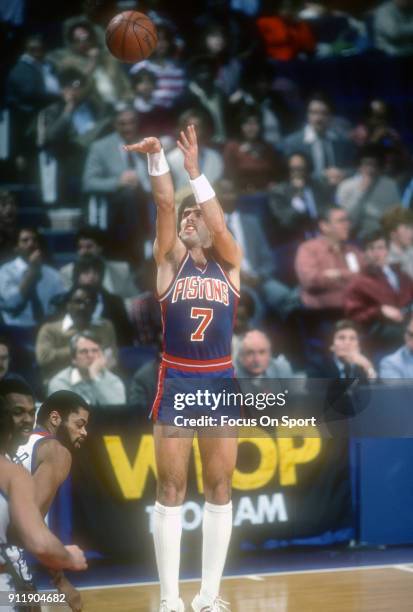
(147, 145)
(188, 143)
(77, 558)
(72, 596)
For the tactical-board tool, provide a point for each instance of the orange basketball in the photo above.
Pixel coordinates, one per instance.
(131, 36)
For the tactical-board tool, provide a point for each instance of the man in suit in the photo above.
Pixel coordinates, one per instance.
(117, 275)
(258, 264)
(119, 186)
(329, 152)
(400, 363)
(295, 204)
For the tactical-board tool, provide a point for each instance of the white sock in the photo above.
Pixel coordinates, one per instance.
(167, 530)
(216, 533)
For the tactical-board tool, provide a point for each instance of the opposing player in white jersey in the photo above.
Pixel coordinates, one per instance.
(19, 511)
(46, 453)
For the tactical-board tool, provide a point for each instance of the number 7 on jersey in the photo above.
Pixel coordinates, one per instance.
(206, 315)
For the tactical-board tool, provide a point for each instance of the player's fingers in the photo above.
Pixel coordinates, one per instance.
(192, 134)
(181, 146)
(184, 139)
(134, 148)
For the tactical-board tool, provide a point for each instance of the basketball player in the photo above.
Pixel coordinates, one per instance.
(19, 510)
(46, 453)
(198, 279)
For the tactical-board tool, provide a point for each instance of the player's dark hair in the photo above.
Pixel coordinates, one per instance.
(63, 402)
(15, 385)
(88, 262)
(6, 422)
(187, 202)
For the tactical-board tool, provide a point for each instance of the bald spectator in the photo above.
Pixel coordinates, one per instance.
(393, 27)
(379, 296)
(255, 358)
(326, 264)
(88, 374)
(398, 225)
(52, 343)
(368, 194)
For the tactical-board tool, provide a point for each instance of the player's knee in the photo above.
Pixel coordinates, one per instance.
(171, 492)
(218, 491)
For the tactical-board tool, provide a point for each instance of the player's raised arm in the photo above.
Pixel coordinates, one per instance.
(222, 239)
(167, 240)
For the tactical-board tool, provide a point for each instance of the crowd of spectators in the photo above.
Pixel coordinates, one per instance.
(316, 184)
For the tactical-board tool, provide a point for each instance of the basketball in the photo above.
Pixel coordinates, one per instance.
(131, 36)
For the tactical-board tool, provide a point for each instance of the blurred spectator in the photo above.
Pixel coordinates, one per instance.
(4, 358)
(325, 265)
(400, 363)
(345, 358)
(154, 119)
(52, 343)
(258, 265)
(27, 285)
(257, 92)
(336, 32)
(211, 163)
(122, 179)
(117, 276)
(379, 296)
(393, 27)
(214, 42)
(331, 154)
(88, 272)
(367, 194)
(8, 225)
(203, 91)
(255, 359)
(64, 132)
(398, 226)
(295, 205)
(376, 126)
(31, 85)
(244, 321)
(285, 36)
(88, 374)
(87, 54)
(144, 310)
(171, 79)
(251, 162)
(142, 389)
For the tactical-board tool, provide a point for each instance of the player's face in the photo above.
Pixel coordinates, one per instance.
(23, 414)
(75, 427)
(194, 231)
(345, 342)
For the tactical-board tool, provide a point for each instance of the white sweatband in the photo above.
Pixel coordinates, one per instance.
(157, 164)
(201, 188)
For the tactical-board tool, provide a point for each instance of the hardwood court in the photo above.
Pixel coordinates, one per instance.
(374, 589)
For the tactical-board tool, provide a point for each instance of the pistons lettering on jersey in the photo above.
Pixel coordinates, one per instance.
(198, 288)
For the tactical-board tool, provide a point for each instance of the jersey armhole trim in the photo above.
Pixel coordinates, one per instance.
(164, 295)
(227, 278)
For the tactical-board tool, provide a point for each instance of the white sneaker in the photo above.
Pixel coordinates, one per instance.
(165, 608)
(200, 605)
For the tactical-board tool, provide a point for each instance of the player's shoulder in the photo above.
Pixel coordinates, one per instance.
(51, 450)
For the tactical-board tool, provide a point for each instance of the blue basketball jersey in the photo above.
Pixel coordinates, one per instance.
(198, 312)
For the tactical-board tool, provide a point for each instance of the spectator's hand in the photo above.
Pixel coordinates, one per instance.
(332, 273)
(35, 258)
(77, 558)
(334, 176)
(392, 313)
(128, 178)
(97, 366)
(357, 358)
(69, 98)
(188, 144)
(147, 145)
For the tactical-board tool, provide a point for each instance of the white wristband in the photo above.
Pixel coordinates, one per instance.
(202, 190)
(157, 164)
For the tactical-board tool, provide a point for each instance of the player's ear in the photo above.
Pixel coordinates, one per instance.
(55, 418)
